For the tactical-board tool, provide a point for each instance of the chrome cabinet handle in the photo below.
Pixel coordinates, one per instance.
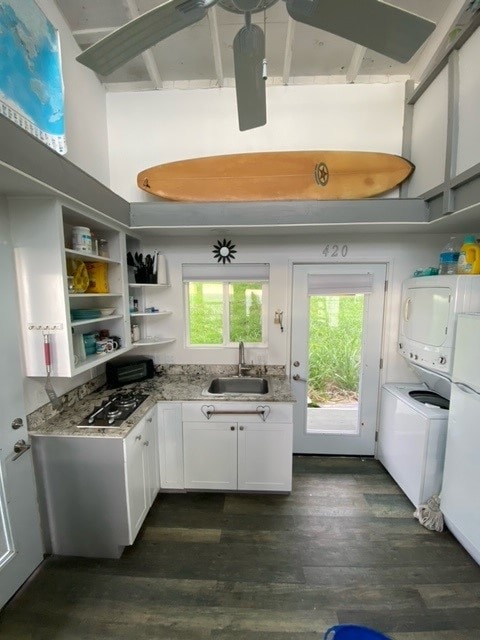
(241, 428)
(232, 428)
(149, 419)
(138, 437)
(20, 447)
(146, 443)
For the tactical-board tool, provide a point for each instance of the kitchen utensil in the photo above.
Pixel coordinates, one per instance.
(47, 351)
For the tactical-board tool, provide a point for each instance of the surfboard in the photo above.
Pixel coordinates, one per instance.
(277, 175)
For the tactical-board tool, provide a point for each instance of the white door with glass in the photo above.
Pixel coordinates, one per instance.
(21, 549)
(337, 322)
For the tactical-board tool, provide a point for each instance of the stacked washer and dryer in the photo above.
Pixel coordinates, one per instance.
(414, 416)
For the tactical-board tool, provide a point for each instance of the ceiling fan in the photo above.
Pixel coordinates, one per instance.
(391, 31)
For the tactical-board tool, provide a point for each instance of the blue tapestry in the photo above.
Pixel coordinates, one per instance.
(31, 84)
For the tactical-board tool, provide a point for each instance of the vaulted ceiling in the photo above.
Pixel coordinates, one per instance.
(201, 55)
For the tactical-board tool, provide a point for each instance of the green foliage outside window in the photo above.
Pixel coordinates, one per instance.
(335, 344)
(207, 303)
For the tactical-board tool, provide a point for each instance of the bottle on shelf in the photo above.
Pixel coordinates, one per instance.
(469, 258)
(449, 258)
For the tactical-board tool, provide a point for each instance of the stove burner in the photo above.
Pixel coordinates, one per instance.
(114, 413)
(114, 410)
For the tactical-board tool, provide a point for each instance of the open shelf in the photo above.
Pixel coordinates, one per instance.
(146, 342)
(140, 314)
(79, 323)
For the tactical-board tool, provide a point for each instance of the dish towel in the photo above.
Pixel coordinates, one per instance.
(429, 514)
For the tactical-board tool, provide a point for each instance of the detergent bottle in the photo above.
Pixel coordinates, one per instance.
(469, 258)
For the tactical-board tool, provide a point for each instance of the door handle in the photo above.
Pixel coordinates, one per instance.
(19, 448)
(299, 378)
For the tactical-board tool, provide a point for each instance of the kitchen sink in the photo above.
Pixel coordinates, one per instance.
(237, 384)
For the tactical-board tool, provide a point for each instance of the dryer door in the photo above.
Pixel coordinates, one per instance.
(425, 314)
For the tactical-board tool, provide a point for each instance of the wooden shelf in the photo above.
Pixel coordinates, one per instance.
(89, 257)
(146, 342)
(94, 295)
(138, 285)
(79, 323)
(148, 314)
(96, 359)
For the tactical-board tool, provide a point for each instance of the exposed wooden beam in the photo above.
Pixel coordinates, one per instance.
(287, 60)
(217, 58)
(355, 63)
(147, 56)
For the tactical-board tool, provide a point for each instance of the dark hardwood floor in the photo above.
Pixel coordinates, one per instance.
(343, 547)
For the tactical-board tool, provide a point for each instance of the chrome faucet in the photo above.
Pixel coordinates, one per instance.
(241, 358)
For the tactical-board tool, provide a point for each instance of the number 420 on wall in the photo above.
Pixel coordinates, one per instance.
(335, 251)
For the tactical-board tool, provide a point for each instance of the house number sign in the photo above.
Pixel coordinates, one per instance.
(335, 251)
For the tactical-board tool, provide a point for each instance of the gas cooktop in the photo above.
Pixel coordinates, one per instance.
(114, 410)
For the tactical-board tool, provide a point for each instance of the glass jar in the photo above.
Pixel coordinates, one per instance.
(135, 333)
(103, 248)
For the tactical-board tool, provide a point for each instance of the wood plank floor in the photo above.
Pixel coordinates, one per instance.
(343, 547)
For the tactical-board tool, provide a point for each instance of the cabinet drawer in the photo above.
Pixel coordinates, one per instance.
(276, 411)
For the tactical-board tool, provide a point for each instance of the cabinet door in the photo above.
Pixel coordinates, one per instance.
(210, 455)
(136, 479)
(150, 444)
(170, 446)
(264, 456)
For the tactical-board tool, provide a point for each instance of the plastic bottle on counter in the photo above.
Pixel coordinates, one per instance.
(469, 259)
(449, 255)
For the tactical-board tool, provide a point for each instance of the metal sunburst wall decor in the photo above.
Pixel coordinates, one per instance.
(223, 251)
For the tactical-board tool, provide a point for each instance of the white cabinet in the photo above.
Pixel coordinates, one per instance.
(251, 451)
(210, 455)
(141, 471)
(147, 297)
(95, 492)
(42, 232)
(170, 445)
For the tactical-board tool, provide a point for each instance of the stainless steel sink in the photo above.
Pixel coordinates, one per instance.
(237, 384)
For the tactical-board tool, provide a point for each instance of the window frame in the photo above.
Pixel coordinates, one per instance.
(226, 343)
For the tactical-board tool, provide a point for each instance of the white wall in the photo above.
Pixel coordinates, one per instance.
(469, 94)
(149, 128)
(85, 105)
(402, 253)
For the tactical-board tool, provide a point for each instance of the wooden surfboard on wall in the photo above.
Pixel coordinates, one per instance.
(277, 175)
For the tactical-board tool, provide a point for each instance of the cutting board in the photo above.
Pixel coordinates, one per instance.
(277, 175)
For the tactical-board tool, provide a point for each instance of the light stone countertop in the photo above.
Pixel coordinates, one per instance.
(165, 388)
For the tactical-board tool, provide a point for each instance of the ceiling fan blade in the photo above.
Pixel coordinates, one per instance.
(140, 34)
(248, 55)
(384, 28)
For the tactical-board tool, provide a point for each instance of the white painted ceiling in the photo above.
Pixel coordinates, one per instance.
(201, 55)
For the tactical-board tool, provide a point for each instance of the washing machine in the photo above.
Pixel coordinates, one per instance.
(412, 436)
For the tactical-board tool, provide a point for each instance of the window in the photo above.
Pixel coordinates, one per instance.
(226, 304)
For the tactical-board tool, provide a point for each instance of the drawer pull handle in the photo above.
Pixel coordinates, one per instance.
(262, 410)
(138, 437)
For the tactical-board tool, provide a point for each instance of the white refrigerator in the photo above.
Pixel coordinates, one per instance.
(460, 497)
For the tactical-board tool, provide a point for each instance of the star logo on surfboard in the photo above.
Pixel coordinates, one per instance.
(321, 174)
